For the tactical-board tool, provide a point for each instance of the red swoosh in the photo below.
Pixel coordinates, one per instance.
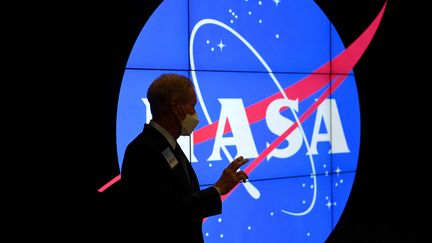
(303, 89)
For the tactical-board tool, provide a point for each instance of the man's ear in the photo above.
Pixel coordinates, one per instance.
(174, 104)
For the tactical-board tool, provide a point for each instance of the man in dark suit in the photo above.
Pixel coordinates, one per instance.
(163, 201)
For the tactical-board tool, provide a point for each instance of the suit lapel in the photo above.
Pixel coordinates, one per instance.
(192, 178)
(183, 167)
(161, 144)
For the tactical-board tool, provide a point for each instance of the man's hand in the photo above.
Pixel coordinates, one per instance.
(231, 176)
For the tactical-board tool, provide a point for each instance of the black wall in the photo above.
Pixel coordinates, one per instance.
(62, 69)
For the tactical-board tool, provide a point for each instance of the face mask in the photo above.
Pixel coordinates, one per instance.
(189, 124)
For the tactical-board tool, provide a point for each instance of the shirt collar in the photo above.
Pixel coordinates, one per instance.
(164, 133)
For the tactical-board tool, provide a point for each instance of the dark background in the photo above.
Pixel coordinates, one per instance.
(62, 68)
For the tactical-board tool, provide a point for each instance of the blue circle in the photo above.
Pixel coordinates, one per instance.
(239, 54)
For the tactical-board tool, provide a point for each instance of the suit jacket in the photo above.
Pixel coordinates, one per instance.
(161, 204)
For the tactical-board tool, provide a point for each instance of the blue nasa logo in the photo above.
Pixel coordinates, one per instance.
(265, 90)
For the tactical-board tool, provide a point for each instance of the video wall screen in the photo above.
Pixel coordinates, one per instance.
(275, 84)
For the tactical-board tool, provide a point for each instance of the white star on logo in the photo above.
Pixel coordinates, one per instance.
(221, 45)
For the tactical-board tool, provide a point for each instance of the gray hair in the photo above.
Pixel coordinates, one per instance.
(166, 87)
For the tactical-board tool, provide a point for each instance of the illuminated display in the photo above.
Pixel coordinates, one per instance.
(271, 86)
